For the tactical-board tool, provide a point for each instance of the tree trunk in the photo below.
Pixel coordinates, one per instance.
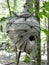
(38, 56)
(48, 46)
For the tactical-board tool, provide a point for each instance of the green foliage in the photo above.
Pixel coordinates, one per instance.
(46, 6)
(45, 14)
(3, 19)
(40, 14)
(31, 3)
(32, 10)
(46, 3)
(45, 10)
(46, 32)
(27, 59)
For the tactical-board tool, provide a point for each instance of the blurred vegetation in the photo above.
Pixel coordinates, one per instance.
(9, 6)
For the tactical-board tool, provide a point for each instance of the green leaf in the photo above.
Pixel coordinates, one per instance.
(32, 10)
(47, 8)
(3, 19)
(30, 3)
(45, 14)
(46, 3)
(6, 18)
(27, 59)
(46, 32)
(40, 14)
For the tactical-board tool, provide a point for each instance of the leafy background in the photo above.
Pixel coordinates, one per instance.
(17, 7)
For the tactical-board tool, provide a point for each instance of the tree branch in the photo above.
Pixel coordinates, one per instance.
(9, 7)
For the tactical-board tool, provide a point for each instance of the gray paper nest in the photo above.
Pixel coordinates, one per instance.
(23, 31)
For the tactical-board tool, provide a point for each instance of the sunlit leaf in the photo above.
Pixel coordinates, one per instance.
(27, 59)
(46, 3)
(47, 8)
(46, 32)
(40, 14)
(32, 10)
(45, 14)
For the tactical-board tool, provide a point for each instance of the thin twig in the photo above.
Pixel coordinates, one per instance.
(9, 7)
(14, 4)
(18, 57)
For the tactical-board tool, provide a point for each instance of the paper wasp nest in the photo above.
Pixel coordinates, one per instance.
(23, 31)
